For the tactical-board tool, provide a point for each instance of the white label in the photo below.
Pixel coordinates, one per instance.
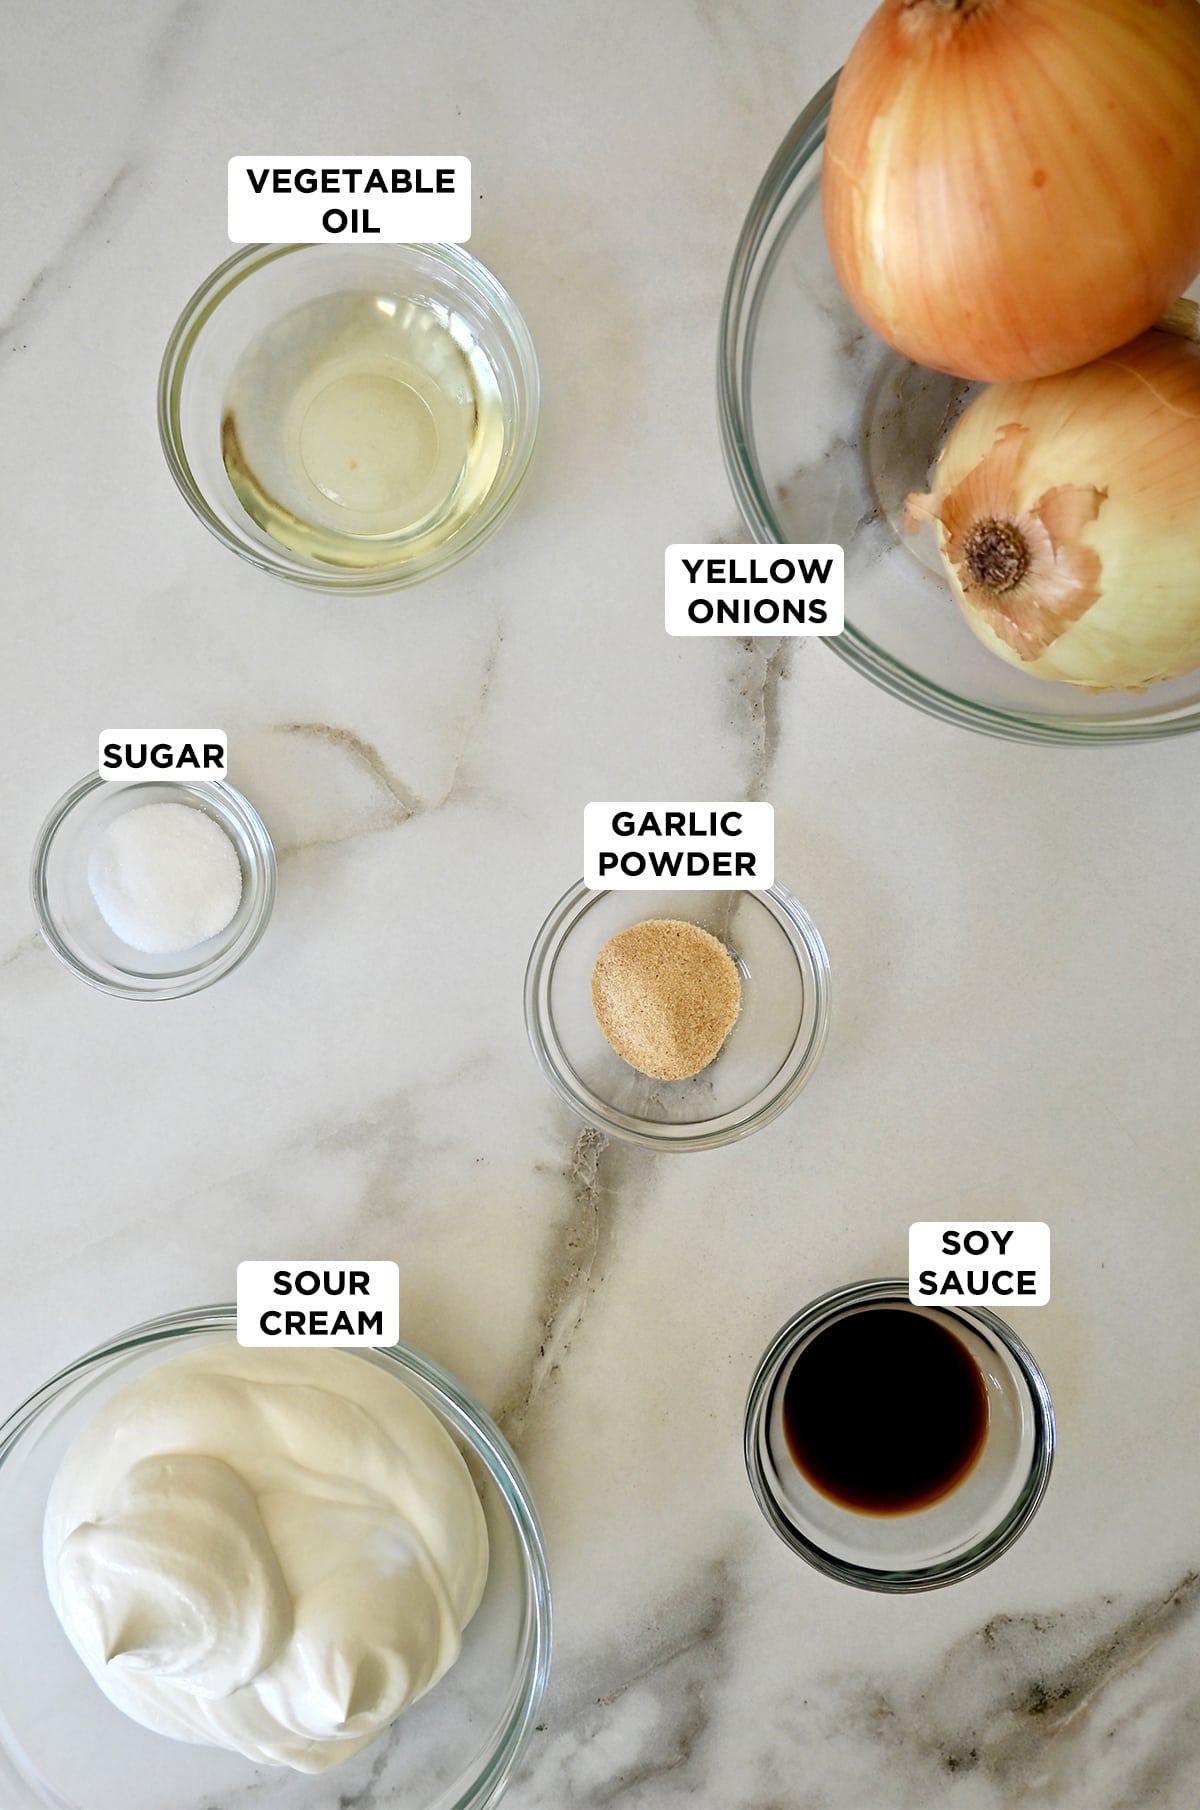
(980, 1263)
(163, 754)
(353, 200)
(679, 847)
(313, 1301)
(769, 590)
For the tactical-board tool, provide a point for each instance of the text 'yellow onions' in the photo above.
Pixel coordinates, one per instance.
(1012, 187)
(1068, 517)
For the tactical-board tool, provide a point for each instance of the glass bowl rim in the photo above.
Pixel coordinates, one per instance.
(168, 986)
(469, 1419)
(743, 292)
(809, 949)
(902, 1581)
(204, 302)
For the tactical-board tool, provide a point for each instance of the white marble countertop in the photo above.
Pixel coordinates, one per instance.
(1013, 930)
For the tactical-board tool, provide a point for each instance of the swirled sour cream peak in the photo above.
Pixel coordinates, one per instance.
(270, 1551)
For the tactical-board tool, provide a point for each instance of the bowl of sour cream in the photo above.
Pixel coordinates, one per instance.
(227, 1570)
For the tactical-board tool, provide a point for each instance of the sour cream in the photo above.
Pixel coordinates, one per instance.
(269, 1551)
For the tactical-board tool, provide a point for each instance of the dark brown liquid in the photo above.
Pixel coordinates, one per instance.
(885, 1411)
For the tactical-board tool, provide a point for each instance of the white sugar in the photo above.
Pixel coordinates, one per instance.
(165, 877)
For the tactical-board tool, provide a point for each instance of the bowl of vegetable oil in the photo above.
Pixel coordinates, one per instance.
(351, 418)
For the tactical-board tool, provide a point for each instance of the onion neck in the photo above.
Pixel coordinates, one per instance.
(929, 15)
(996, 554)
(1182, 318)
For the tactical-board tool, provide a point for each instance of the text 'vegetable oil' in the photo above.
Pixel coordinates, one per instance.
(363, 429)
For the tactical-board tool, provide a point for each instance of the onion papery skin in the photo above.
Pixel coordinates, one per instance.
(1011, 188)
(1124, 432)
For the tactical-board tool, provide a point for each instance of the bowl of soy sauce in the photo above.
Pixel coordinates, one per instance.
(897, 1447)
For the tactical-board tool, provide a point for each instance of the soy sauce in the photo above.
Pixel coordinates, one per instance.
(885, 1411)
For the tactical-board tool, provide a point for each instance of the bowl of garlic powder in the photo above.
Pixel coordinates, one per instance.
(678, 1020)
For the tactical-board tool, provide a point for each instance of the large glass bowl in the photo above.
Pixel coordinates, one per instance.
(64, 1746)
(826, 429)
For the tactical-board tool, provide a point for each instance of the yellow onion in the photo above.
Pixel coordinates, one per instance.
(1067, 512)
(1012, 187)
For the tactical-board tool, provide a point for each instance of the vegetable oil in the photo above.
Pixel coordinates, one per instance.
(363, 429)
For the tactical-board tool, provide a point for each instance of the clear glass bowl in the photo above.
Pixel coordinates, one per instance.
(826, 429)
(961, 1532)
(762, 1065)
(63, 1745)
(69, 918)
(257, 287)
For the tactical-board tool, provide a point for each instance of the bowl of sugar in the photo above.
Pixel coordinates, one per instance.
(152, 889)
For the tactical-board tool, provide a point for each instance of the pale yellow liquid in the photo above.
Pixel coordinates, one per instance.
(363, 429)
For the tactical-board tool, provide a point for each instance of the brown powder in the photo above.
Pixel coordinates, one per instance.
(666, 995)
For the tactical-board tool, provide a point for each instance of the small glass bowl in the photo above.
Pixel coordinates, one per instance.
(258, 286)
(762, 1065)
(826, 429)
(64, 1746)
(961, 1532)
(69, 918)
